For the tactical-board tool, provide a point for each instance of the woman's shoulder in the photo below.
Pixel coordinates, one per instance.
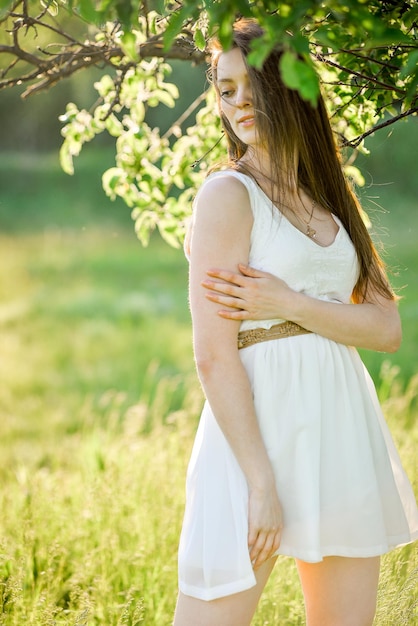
(223, 187)
(228, 177)
(221, 212)
(227, 184)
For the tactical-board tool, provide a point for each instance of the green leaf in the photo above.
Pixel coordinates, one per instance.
(5, 5)
(327, 38)
(299, 75)
(124, 11)
(199, 39)
(301, 44)
(152, 19)
(159, 6)
(110, 181)
(259, 51)
(410, 65)
(128, 45)
(175, 25)
(113, 126)
(388, 37)
(170, 232)
(411, 16)
(88, 11)
(289, 70)
(144, 225)
(163, 97)
(51, 6)
(225, 31)
(66, 159)
(412, 91)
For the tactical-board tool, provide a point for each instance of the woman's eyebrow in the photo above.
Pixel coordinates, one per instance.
(224, 80)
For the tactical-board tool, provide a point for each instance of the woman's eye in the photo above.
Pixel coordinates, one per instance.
(226, 93)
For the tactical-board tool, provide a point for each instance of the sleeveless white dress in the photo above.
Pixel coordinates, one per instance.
(339, 478)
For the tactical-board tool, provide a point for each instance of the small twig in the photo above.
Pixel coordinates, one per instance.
(12, 82)
(395, 47)
(392, 103)
(369, 79)
(367, 58)
(185, 115)
(28, 21)
(118, 87)
(7, 69)
(362, 87)
(356, 142)
(146, 11)
(346, 104)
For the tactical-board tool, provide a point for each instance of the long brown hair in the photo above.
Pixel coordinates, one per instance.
(303, 152)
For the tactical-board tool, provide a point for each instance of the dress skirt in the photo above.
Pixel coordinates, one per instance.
(339, 478)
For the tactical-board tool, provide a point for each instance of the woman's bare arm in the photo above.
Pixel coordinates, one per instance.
(253, 294)
(221, 234)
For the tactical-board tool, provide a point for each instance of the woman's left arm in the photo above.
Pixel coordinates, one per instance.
(253, 294)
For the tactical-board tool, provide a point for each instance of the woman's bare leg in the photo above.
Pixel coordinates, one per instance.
(235, 610)
(340, 591)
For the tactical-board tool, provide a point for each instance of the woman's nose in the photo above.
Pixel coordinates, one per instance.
(244, 98)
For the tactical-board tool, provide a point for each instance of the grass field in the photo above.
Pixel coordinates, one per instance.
(99, 403)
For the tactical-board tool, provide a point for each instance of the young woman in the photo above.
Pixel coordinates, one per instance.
(292, 455)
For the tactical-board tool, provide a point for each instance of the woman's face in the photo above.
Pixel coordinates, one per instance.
(235, 91)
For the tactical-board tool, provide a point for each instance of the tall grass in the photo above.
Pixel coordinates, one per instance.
(98, 407)
(95, 355)
(90, 522)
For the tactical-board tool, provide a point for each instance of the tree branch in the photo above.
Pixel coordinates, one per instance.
(369, 79)
(29, 21)
(48, 67)
(367, 58)
(183, 117)
(354, 143)
(78, 56)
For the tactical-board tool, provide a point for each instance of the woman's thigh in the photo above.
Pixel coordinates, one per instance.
(340, 591)
(235, 610)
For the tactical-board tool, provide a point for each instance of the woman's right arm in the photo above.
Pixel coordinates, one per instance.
(221, 235)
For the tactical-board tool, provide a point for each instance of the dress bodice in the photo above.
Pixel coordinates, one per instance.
(278, 247)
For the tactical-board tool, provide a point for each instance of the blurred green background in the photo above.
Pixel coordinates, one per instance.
(40, 202)
(99, 399)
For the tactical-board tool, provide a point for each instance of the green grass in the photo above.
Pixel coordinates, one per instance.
(98, 405)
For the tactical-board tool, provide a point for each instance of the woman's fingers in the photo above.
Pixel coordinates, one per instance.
(264, 547)
(233, 278)
(236, 277)
(235, 314)
(265, 524)
(222, 288)
(247, 270)
(230, 301)
(229, 295)
(251, 294)
(235, 311)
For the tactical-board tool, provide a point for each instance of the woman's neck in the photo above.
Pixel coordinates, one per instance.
(258, 162)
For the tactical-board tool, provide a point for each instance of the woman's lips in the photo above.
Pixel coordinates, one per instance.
(246, 121)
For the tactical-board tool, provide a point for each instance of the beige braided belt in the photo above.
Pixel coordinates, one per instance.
(278, 331)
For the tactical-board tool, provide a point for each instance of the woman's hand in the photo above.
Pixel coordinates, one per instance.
(252, 294)
(265, 525)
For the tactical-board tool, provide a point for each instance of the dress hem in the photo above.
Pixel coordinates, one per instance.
(220, 591)
(229, 589)
(367, 552)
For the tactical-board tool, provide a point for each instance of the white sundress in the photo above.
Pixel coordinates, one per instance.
(339, 478)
